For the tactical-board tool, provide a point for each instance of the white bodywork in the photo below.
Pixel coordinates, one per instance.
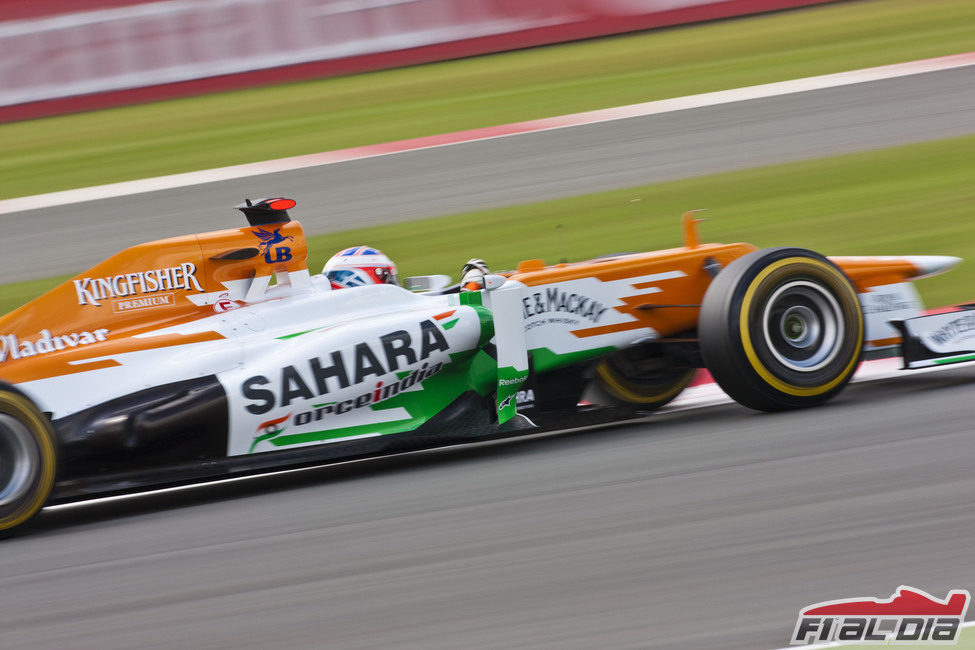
(260, 341)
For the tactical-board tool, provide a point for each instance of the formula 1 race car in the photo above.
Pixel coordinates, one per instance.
(216, 355)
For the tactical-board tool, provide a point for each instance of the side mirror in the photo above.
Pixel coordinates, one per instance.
(424, 283)
(492, 281)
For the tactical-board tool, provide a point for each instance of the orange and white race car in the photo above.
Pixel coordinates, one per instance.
(219, 354)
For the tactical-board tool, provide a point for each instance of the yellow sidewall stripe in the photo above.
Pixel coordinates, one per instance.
(21, 408)
(749, 348)
(623, 392)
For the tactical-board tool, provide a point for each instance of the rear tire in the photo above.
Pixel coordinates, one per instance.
(28, 458)
(638, 378)
(781, 328)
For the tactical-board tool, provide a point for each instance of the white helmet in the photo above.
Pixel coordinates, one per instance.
(358, 266)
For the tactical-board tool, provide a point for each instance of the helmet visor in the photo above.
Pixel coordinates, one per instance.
(346, 278)
(360, 276)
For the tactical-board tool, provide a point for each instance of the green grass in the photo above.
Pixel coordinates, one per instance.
(915, 199)
(228, 128)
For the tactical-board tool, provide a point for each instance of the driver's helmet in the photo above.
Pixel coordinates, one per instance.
(358, 266)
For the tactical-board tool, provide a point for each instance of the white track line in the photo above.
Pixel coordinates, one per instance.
(762, 91)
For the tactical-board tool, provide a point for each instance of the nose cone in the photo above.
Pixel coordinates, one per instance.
(927, 265)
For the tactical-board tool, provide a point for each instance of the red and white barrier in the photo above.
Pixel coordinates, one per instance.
(117, 52)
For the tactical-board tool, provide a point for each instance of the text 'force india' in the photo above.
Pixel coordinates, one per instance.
(218, 354)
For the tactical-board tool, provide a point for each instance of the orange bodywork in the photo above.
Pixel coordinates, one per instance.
(649, 309)
(673, 306)
(95, 315)
(866, 272)
(143, 288)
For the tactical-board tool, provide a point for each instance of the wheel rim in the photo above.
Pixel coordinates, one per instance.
(18, 457)
(803, 326)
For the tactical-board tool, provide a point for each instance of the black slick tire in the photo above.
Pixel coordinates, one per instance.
(28, 460)
(781, 328)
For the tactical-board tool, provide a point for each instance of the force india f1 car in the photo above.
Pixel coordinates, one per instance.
(215, 355)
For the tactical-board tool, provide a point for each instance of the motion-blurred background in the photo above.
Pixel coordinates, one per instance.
(100, 91)
(704, 529)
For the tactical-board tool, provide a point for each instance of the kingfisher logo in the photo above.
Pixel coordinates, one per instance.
(909, 616)
(91, 291)
(269, 243)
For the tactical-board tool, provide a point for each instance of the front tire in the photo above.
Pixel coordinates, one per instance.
(781, 328)
(28, 459)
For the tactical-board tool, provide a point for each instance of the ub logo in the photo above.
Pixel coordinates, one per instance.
(268, 242)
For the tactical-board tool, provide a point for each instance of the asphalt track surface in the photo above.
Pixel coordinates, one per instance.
(708, 528)
(513, 170)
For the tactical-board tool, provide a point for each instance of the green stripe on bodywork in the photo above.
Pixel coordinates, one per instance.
(471, 298)
(470, 370)
(291, 336)
(483, 372)
(544, 359)
(486, 319)
(964, 357)
(334, 434)
(450, 324)
(509, 381)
